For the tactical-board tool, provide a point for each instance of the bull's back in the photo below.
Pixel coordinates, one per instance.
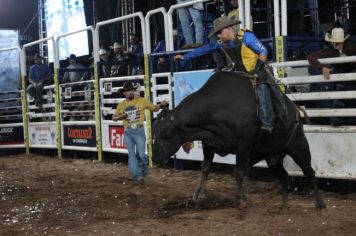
(229, 90)
(226, 102)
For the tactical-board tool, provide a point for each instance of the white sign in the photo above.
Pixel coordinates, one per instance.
(43, 135)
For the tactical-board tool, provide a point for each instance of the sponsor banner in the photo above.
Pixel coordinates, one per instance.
(79, 135)
(116, 137)
(11, 135)
(43, 135)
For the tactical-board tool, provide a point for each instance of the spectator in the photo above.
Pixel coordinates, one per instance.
(104, 70)
(104, 67)
(339, 46)
(195, 14)
(40, 76)
(162, 63)
(121, 60)
(132, 112)
(136, 50)
(234, 14)
(314, 16)
(76, 71)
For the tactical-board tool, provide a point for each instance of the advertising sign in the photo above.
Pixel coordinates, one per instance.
(43, 135)
(186, 83)
(79, 135)
(11, 135)
(116, 137)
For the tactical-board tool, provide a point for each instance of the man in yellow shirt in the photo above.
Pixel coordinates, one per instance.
(132, 112)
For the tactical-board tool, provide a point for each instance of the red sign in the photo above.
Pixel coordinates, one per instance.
(116, 134)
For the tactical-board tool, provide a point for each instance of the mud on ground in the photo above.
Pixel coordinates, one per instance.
(46, 196)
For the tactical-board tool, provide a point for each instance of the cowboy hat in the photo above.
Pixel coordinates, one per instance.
(126, 87)
(221, 23)
(37, 57)
(102, 51)
(337, 35)
(116, 45)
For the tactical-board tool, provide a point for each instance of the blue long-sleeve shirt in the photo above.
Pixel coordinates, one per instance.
(252, 48)
(39, 72)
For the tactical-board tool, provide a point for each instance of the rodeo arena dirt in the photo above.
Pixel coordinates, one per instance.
(47, 196)
(86, 108)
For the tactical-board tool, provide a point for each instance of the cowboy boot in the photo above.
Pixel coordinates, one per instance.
(265, 108)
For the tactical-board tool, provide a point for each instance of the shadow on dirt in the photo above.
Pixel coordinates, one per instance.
(178, 206)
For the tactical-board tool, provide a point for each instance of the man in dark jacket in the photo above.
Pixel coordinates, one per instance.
(339, 46)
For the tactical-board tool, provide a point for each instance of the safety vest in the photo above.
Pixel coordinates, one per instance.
(241, 57)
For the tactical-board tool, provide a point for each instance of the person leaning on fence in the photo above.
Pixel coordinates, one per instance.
(39, 76)
(244, 52)
(340, 46)
(132, 112)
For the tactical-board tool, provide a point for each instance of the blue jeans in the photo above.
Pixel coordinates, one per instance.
(184, 16)
(135, 140)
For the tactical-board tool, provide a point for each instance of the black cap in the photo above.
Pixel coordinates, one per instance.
(72, 56)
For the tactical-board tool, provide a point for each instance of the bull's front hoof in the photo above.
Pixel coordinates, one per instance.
(320, 206)
(242, 205)
(199, 193)
(284, 208)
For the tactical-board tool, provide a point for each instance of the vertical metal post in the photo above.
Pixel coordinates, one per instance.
(96, 47)
(242, 13)
(56, 66)
(24, 99)
(248, 15)
(284, 17)
(277, 30)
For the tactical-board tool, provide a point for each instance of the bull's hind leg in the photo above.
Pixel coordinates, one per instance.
(300, 152)
(200, 191)
(276, 165)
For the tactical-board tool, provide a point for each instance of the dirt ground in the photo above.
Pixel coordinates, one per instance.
(46, 196)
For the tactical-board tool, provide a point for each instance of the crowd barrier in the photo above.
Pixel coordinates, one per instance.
(78, 116)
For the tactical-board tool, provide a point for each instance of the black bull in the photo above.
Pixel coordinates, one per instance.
(223, 114)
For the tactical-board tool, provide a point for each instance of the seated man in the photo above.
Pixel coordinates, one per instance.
(72, 75)
(339, 46)
(39, 76)
(244, 52)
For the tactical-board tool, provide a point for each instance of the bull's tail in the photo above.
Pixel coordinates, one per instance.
(306, 117)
